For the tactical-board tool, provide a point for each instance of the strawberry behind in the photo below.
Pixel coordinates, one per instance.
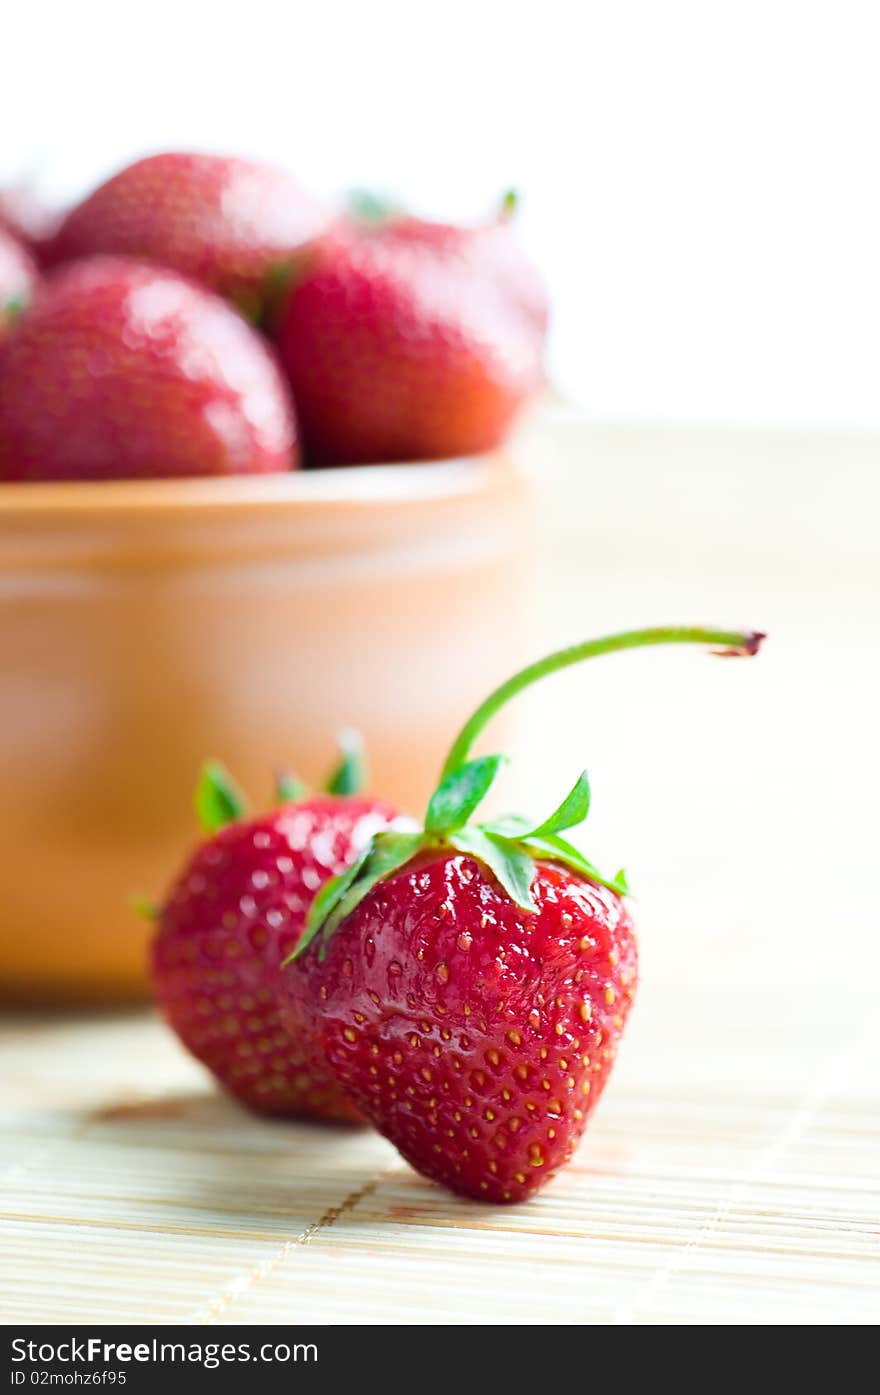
(409, 341)
(234, 913)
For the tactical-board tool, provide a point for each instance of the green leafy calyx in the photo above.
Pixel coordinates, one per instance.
(459, 793)
(372, 206)
(289, 788)
(508, 848)
(218, 799)
(350, 775)
(144, 907)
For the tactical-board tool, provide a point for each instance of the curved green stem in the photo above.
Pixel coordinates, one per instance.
(729, 643)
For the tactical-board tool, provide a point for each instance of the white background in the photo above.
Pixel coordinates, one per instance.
(700, 178)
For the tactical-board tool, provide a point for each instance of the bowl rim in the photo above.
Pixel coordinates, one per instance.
(343, 486)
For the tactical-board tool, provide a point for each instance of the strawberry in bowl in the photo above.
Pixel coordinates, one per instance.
(122, 370)
(411, 340)
(238, 227)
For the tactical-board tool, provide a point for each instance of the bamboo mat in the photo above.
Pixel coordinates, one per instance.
(732, 1171)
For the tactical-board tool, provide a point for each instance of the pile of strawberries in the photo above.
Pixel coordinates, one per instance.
(462, 986)
(203, 315)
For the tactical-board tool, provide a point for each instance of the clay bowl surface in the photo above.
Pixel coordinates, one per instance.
(147, 625)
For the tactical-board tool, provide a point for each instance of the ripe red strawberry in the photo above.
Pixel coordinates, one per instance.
(18, 279)
(123, 370)
(468, 985)
(406, 340)
(233, 225)
(234, 913)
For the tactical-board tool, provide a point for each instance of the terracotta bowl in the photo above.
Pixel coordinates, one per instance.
(145, 626)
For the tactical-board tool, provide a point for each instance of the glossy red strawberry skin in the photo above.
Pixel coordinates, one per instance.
(233, 225)
(228, 922)
(476, 1037)
(123, 370)
(401, 345)
(18, 279)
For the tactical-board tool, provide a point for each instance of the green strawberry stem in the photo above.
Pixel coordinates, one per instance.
(218, 800)
(509, 206)
(509, 848)
(728, 643)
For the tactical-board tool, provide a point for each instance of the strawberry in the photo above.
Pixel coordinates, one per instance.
(468, 984)
(234, 225)
(123, 370)
(410, 340)
(235, 911)
(18, 279)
